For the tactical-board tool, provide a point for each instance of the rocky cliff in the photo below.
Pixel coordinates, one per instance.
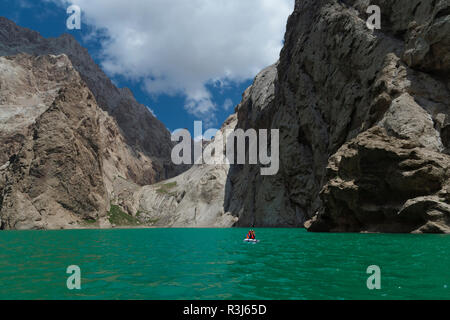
(363, 118)
(196, 198)
(146, 136)
(67, 133)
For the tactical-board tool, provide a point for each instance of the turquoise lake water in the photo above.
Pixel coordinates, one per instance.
(216, 264)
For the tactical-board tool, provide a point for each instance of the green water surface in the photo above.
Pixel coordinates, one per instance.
(216, 264)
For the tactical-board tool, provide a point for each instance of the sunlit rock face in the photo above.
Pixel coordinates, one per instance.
(148, 139)
(363, 118)
(66, 134)
(195, 198)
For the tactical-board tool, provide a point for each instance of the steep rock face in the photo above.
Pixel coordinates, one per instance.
(147, 136)
(67, 133)
(61, 152)
(54, 176)
(380, 183)
(196, 198)
(335, 80)
(255, 199)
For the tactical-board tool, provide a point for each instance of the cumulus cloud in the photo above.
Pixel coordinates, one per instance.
(181, 47)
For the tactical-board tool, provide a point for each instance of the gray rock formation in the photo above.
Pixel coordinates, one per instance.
(377, 182)
(363, 118)
(195, 198)
(253, 198)
(67, 133)
(53, 130)
(147, 136)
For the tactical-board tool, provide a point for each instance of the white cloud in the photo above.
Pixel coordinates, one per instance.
(180, 46)
(24, 4)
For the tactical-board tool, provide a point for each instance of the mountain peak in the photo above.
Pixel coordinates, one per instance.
(135, 121)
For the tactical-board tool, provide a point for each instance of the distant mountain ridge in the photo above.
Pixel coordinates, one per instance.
(141, 129)
(67, 133)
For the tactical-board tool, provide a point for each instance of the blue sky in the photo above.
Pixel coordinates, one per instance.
(183, 68)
